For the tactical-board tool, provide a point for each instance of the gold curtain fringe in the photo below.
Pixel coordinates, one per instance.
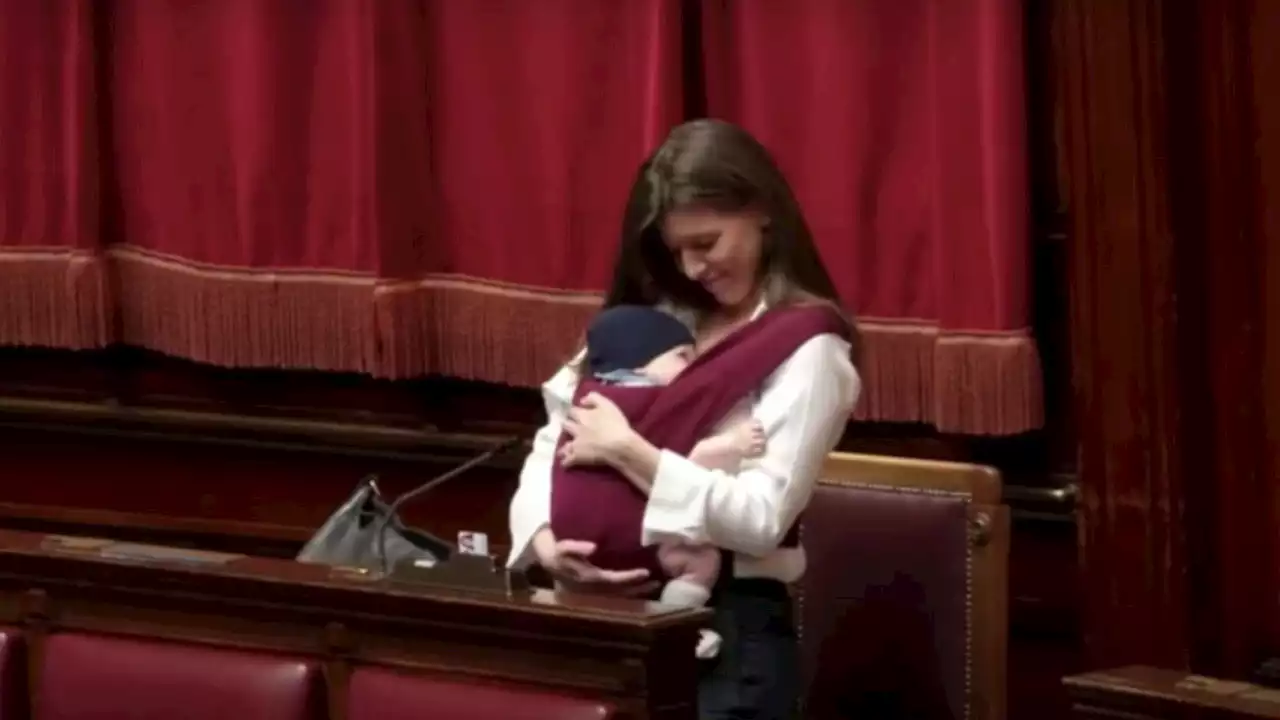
(960, 383)
(56, 300)
(230, 320)
(478, 333)
(972, 384)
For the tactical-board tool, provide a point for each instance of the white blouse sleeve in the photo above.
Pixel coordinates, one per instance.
(530, 509)
(804, 407)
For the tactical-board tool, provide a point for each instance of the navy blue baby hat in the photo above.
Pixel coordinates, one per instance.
(626, 337)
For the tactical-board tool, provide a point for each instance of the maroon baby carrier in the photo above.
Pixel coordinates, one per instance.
(598, 504)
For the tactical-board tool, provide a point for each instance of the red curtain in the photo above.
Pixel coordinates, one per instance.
(401, 187)
(538, 114)
(246, 149)
(901, 126)
(52, 290)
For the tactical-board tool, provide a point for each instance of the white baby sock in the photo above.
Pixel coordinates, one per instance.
(708, 644)
(690, 594)
(684, 594)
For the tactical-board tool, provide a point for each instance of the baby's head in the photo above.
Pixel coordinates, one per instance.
(665, 367)
(640, 338)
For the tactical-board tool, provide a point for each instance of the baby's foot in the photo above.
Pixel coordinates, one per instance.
(709, 642)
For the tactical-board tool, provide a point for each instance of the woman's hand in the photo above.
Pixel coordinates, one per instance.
(599, 432)
(567, 562)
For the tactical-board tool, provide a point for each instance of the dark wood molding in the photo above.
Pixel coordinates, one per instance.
(424, 443)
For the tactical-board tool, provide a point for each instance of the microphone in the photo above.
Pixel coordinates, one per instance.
(385, 521)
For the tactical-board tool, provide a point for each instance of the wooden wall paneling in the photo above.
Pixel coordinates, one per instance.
(1237, 163)
(1214, 209)
(1123, 331)
(1264, 33)
(1172, 168)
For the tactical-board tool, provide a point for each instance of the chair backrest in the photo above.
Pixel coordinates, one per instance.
(102, 676)
(381, 694)
(903, 608)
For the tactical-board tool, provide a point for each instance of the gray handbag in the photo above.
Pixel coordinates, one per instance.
(350, 537)
(366, 531)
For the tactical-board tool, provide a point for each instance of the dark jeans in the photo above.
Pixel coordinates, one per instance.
(757, 674)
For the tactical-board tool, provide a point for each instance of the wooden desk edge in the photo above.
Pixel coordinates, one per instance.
(20, 550)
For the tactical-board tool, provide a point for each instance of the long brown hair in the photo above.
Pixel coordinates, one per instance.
(717, 165)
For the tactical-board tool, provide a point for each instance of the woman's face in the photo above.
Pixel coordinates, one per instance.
(719, 250)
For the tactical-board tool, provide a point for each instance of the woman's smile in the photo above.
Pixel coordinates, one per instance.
(725, 291)
(718, 250)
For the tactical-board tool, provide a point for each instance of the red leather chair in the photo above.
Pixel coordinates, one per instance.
(13, 688)
(116, 678)
(903, 606)
(378, 694)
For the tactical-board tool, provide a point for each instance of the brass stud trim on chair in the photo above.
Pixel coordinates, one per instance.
(979, 529)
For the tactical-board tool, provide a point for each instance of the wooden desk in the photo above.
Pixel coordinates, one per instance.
(636, 654)
(1148, 693)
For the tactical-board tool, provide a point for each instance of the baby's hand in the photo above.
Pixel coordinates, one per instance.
(750, 438)
(727, 450)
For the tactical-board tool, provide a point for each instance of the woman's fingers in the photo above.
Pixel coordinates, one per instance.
(572, 564)
(579, 548)
(588, 574)
(578, 570)
(623, 577)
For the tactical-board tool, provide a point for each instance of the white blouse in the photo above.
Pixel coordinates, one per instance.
(803, 406)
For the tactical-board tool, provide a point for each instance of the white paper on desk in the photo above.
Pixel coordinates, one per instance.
(473, 543)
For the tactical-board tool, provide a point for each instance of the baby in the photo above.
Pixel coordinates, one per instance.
(638, 346)
(635, 346)
(641, 360)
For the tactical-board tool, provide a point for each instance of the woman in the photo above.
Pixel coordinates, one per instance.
(712, 232)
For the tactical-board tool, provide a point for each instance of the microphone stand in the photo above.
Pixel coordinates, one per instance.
(384, 523)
